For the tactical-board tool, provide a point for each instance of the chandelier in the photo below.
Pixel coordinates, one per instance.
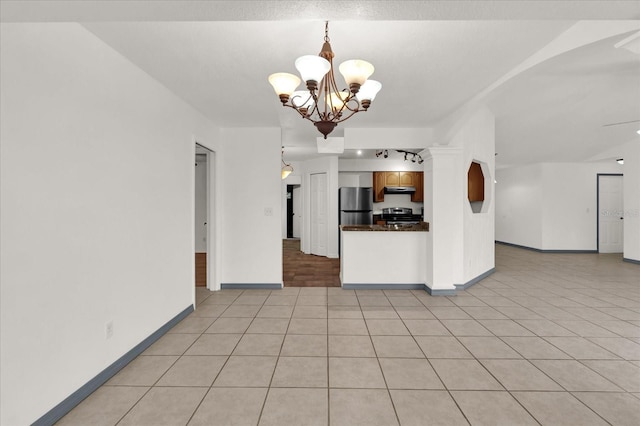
(323, 103)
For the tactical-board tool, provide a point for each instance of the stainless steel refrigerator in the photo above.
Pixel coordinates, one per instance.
(356, 206)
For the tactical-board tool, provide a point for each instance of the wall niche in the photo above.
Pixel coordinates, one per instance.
(475, 186)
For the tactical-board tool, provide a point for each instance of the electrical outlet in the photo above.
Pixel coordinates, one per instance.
(108, 330)
(268, 211)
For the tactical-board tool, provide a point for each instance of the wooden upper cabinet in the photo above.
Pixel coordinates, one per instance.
(382, 179)
(379, 179)
(392, 179)
(406, 178)
(418, 182)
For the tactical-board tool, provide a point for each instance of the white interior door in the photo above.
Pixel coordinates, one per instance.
(610, 214)
(319, 214)
(297, 211)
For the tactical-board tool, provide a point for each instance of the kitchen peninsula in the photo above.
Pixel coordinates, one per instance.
(383, 256)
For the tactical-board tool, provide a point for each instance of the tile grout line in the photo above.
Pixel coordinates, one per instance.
(223, 364)
(163, 374)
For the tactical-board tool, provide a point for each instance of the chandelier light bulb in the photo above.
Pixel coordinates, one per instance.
(337, 100)
(369, 90)
(355, 73)
(285, 172)
(284, 84)
(312, 68)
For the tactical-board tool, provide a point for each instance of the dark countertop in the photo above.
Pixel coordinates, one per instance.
(422, 227)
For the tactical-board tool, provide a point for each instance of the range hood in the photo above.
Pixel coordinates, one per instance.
(399, 189)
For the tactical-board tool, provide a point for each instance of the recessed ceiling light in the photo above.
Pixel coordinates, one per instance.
(359, 152)
(620, 160)
(638, 132)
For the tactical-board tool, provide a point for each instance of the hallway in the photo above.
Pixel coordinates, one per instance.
(307, 270)
(548, 339)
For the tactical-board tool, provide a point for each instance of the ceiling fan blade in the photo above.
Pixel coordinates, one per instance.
(622, 122)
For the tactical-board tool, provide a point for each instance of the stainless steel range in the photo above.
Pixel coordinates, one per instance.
(400, 216)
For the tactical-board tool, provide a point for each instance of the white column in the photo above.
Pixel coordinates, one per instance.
(443, 183)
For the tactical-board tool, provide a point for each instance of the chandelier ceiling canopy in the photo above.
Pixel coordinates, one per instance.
(323, 103)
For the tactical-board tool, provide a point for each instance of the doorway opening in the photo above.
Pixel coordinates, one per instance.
(610, 225)
(203, 231)
(294, 213)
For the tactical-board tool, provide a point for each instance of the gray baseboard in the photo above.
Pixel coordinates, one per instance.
(248, 286)
(437, 292)
(357, 286)
(546, 250)
(60, 410)
(459, 286)
(475, 280)
(636, 262)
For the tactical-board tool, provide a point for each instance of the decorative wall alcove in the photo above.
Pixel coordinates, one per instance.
(477, 176)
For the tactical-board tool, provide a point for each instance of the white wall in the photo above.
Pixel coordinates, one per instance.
(390, 164)
(251, 236)
(387, 138)
(569, 204)
(328, 165)
(201, 203)
(518, 198)
(351, 179)
(477, 138)
(631, 184)
(97, 193)
(550, 206)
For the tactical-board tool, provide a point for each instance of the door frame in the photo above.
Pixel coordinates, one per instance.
(213, 249)
(289, 211)
(598, 205)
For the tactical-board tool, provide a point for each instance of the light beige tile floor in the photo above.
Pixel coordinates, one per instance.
(548, 339)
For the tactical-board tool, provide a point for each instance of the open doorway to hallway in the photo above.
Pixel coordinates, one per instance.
(294, 211)
(204, 159)
(307, 270)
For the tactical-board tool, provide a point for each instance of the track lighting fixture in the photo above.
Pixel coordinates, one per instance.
(414, 155)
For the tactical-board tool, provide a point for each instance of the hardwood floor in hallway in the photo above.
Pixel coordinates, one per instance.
(307, 270)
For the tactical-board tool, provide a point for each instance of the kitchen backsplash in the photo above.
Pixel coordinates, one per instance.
(397, 200)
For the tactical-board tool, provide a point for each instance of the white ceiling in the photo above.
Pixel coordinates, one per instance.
(431, 58)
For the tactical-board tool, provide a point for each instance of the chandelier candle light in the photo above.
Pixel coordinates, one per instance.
(287, 169)
(323, 103)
